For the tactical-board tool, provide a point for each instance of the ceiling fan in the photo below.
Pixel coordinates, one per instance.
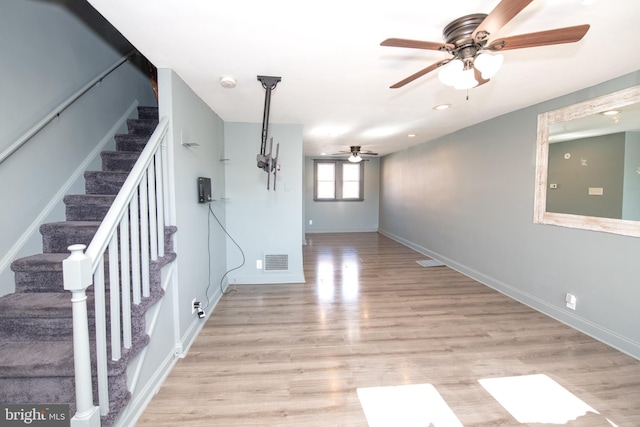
(467, 40)
(356, 153)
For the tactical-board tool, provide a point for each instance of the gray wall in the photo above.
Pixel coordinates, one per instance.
(467, 199)
(263, 222)
(331, 217)
(594, 162)
(631, 190)
(51, 49)
(198, 232)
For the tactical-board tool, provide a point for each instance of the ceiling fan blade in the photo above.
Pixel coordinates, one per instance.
(478, 75)
(504, 12)
(542, 38)
(419, 74)
(417, 44)
(368, 153)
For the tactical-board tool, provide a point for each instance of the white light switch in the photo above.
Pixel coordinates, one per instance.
(570, 299)
(596, 191)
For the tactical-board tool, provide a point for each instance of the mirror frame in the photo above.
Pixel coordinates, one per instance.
(593, 106)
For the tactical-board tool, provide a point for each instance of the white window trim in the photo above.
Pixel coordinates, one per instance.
(338, 181)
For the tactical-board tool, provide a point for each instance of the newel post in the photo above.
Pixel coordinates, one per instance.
(77, 276)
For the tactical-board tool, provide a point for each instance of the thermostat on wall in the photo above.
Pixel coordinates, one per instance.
(204, 190)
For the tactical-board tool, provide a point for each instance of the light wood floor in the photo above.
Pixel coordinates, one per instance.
(370, 316)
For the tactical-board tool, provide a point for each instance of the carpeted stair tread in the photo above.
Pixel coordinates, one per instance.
(58, 236)
(104, 182)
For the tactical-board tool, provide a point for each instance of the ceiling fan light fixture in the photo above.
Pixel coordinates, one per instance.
(355, 158)
(466, 80)
(450, 72)
(488, 64)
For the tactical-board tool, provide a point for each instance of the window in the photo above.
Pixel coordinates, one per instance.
(338, 180)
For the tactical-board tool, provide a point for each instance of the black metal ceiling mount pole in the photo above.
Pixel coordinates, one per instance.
(267, 162)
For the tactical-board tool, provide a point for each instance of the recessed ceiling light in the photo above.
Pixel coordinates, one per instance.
(412, 135)
(442, 107)
(227, 82)
(610, 112)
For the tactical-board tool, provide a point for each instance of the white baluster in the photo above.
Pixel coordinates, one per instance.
(153, 233)
(114, 298)
(160, 201)
(144, 236)
(134, 213)
(125, 278)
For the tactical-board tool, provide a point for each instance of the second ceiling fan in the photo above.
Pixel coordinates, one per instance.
(467, 40)
(356, 153)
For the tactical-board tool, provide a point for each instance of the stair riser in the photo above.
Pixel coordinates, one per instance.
(148, 113)
(84, 207)
(118, 161)
(86, 213)
(104, 182)
(54, 329)
(141, 126)
(128, 142)
(56, 390)
(39, 281)
(59, 240)
(53, 390)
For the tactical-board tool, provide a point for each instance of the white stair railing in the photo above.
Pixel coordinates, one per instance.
(129, 237)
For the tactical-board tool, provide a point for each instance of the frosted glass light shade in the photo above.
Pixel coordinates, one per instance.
(355, 159)
(488, 65)
(467, 80)
(450, 72)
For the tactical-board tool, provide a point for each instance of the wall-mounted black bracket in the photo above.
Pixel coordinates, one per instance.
(266, 161)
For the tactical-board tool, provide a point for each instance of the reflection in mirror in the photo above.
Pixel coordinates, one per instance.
(588, 165)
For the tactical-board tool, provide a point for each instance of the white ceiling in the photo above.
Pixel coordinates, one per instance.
(336, 76)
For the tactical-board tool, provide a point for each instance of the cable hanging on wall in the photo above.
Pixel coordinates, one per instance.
(209, 254)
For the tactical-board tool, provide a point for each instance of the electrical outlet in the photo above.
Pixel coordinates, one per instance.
(310, 222)
(259, 264)
(193, 305)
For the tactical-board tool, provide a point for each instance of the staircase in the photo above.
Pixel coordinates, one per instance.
(36, 338)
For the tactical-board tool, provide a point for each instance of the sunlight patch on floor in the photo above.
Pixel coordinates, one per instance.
(536, 399)
(415, 405)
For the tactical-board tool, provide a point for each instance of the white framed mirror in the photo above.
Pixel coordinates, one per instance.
(588, 165)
